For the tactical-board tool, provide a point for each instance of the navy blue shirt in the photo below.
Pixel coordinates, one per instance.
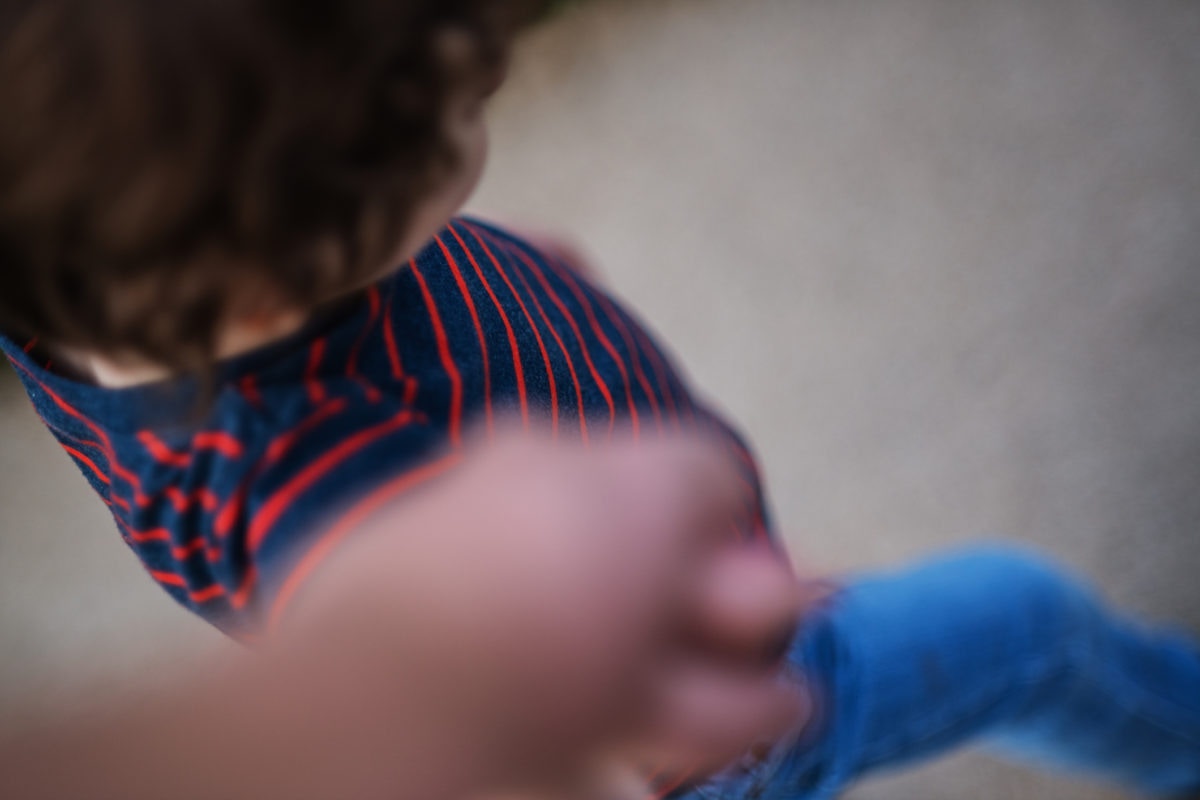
(231, 509)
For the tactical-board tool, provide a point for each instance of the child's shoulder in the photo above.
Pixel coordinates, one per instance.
(225, 509)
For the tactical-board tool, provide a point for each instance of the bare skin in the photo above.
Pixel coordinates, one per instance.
(405, 669)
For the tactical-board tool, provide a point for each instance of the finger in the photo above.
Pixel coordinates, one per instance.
(711, 716)
(747, 607)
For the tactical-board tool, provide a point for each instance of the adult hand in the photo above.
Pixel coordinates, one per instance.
(541, 611)
(588, 603)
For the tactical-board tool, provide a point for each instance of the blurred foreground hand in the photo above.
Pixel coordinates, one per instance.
(589, 603)
(539, 616)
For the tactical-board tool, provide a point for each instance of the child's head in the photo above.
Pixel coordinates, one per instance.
(167, 165)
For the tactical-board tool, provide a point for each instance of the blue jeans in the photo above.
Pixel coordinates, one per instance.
(989, 646)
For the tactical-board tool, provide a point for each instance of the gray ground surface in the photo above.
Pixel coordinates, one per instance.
(939, 258)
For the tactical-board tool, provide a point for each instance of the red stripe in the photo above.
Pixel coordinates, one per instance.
(615, 316)
(100, 476)
(316, 392)
(660, 375)
(198, 596)
(182, 501)
(105, 443)
(160, 452)
(532, 326)
(279, 502)
(219, 441)
(286, 440)
(188, 550)
(250, 391)
(82, 457)
(369, 389)
(168, 578)
(443, 343)
(389, 339)
(348, 522)
(518, 367)
(562, 308)
(242, 595)
(583, 428)
(470, 301)
(75, 442)
(566, 276)
(59, 432)
(223, 443)
(204, 595)
(180, 553)
(232, 509)
(373, 395)
(32, 343)
(275, 451)
(372, 318)
(144, 537)
(79, 456)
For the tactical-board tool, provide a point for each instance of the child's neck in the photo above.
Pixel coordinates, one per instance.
(243, 335)
(235, 339)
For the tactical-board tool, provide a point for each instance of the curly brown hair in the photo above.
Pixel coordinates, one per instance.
(159, 159)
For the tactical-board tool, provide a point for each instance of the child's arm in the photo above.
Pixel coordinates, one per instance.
(563, 607)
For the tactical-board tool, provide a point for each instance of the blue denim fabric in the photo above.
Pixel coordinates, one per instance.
(989, 646)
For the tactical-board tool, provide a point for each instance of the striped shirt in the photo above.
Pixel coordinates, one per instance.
(231, 509)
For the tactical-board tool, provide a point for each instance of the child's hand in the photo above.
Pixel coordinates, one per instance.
(563, 607)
